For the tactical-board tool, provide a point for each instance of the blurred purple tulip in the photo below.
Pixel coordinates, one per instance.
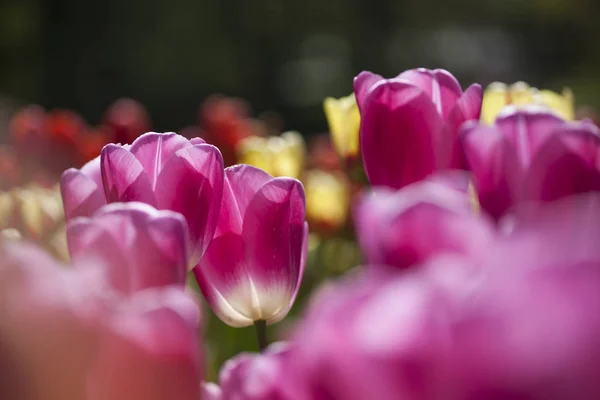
(531, 155)
(410, 123)
(258, 376)
(66, 335)
(406, 227)
(82, 190)
(254, 266)
(523, 324)
(164, 170)
(140, 246)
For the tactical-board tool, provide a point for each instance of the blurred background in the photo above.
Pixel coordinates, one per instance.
(272, 62)
(282, 56)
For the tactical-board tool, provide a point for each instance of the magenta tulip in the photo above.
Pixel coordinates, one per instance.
(257, 376)
(65, 334)
(82, 190)
(409, 124)
(140, 246)
(407, 227)
(531, 155)
(164, 170)
(254, 266)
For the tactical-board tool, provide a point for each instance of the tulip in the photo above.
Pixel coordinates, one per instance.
(255, 376)
(327, 200)
(140, 246)
(126, 120)
(498, 95)
(405, 228)
(531, 155)
(164, 170)
(409, 124)
(64, 334)
(344, 124)
(254, 265)
(277, 155)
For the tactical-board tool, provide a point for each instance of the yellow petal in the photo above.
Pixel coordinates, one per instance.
(495, 98)
(521, 94)
(254, 151)
(561, 104)
(343, 118)
(327, 198)
(289, 151)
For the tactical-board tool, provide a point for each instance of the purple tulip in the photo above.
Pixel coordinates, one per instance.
(140, 246)
(531, 155)
(407, 227)
(82, 190)
(164, 170)
(254, 266)
(522, 324)
(256, 376)
(409, 124)
(65, 334)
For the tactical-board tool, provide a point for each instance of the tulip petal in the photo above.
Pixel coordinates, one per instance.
(440, 85)
(400, 134)
(140, 246)
(559, 171)
(527, 129)
(274, 231)
(467, 108)
(239, 187)
(153, 150)
(191, 183)
(496, 175)
(81, 195)
(363, 83)
(124, 177)
(226, 283)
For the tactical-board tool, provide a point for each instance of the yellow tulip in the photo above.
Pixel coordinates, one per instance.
(277, 155)
(344, 124)
(327, 200)
(498, 95)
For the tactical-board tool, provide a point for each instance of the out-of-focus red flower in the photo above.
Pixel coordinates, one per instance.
(64, 130)
(10, 171)
(91, 143)
(27, 130)
(126, 119)
(322, 154)
(226, 121)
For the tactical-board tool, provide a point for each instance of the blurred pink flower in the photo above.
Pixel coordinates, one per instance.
(254, 266)
(66, 335)
(140, 246)
(409, 124)
(531, 154)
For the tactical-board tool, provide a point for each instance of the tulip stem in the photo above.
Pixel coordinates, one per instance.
(261, 334)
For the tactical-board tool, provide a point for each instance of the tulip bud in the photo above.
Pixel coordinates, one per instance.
(254, 265)
(344, 124)
(277, 155)
(409, 124)
(327, 200)
(140, 246)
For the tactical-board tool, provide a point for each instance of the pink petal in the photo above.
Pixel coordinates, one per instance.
(467, 108)
(440, 85)
(527, 129)
(138, 245)
(93, 170)
(153, 150)
(210, 391)
(400, 134)
(239, 187)
(124, 177)
(274, 232)
(558, 171)
(191, 183)
(81, 195)
(497, 176)
(363, 83)
(583, 138)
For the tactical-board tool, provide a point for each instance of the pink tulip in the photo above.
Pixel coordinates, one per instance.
(409, 124)
(407, 227)
(140, 246)
(257, 376)
(66, 335)
(531, 155)
(164, 170)
(253, 268)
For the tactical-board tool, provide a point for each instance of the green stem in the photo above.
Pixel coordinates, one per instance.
(261, 334)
